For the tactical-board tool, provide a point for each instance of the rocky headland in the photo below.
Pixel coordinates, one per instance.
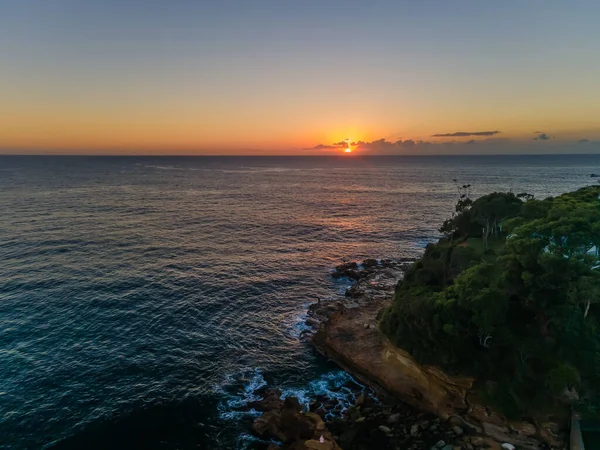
(413, 406)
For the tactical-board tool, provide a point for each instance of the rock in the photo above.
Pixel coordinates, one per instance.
(292, 404)
(360, 400)
(287, 424)
(384, 429)
(268, 425)
(370, 263)
(448, 447)
(478, 441)
(353, 412)
(508, 446)
(311, 322)
(360, 419)
(347, 437)
(496, 432)
(394, 418)
(316, 445)
(440, 444)
(273, 447)
(270, 401)
(414, 430)
(365, 326)
(372, 327)
(457, 430)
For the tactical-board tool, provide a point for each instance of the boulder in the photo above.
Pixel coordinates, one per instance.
(394, 418)
(347, 437)
(271, 400)
(350, 270)
(457, 430)
(384, 429)
(317, 445)
(360, 400)
(286, 423)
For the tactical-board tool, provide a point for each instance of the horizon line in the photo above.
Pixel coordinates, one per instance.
(340, 155)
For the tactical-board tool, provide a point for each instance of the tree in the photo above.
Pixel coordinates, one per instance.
(524, 317)
(490, 210)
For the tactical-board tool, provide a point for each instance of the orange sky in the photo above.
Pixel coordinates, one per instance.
(105, 78)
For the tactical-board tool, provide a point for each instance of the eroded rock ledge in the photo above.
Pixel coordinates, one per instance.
(345, 330)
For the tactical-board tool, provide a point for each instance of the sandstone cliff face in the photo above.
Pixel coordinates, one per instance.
(350, 337)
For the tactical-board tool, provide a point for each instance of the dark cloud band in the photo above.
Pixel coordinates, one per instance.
(466, 133)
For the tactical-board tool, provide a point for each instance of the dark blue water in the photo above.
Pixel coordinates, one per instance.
(144, 299)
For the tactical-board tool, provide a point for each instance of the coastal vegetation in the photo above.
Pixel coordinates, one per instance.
(510, 295)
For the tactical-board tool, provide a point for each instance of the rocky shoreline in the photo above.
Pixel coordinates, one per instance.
(410, 407)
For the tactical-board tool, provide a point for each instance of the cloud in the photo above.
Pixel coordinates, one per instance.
(379, 145)
(487, 141)
(583, 141)
(542, 137)
(466, 133)
(321, 147)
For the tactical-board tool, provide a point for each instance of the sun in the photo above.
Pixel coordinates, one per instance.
(348, 150)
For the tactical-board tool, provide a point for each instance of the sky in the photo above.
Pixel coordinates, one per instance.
(299, 77)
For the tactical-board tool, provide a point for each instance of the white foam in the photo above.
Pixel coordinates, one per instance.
(299, 325)
(240, 389)
(246, 438)
(332, 385)
(244, 385)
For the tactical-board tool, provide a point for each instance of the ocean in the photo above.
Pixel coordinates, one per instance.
(144, 300)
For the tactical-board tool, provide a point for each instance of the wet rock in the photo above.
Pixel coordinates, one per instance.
(414, 430)
(370, 263)
(478, 441)
(384, 429)
(360, 400)
(292, 404)
(508, 446)
(289, 425)
(440, 444)
(347, 437)
(271, 401)
(312, 322)
(317, 445)
(457, 430)
(350, 270)
(394, 418)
